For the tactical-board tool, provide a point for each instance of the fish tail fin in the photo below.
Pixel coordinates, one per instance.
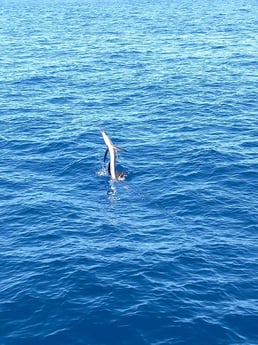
(119, 148)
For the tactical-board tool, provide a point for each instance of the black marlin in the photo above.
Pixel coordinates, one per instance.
(111, 148)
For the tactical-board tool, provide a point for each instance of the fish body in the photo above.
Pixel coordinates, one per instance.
(111, 148)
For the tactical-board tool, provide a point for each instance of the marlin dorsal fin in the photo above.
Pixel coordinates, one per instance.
(105, 155)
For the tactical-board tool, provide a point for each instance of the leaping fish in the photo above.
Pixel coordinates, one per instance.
(111, 148)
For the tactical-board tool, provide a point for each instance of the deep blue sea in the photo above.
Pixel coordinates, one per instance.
(170, 255)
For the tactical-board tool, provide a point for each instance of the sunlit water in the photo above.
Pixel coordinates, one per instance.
(168, 256)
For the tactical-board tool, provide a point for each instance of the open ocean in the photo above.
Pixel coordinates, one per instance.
(170, 255)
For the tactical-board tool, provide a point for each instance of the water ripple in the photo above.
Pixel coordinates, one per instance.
(169, 256)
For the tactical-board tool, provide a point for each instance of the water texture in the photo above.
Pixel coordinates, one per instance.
(169, 256)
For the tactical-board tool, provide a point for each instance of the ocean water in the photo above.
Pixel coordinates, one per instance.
(168, 256)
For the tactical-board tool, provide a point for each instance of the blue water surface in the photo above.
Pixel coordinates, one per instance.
(168, 256)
